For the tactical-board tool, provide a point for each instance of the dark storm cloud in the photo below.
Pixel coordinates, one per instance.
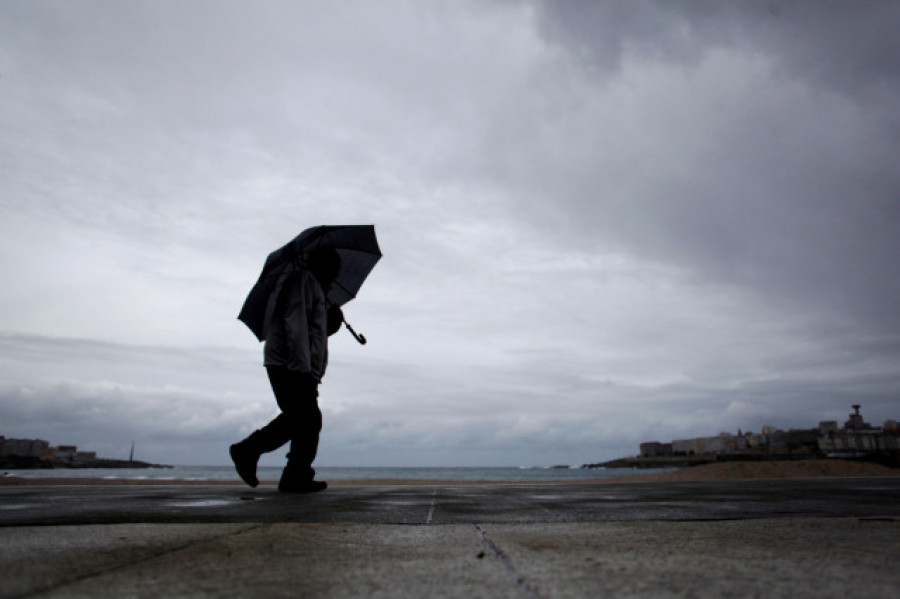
(762, 153)
(845, 45)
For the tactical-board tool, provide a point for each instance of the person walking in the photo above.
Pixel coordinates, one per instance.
(295, 357)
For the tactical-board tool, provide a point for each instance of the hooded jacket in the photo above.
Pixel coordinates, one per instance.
(297, 337)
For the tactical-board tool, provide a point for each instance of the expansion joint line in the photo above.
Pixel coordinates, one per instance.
(433, 505)
(514, 574)
(146, 558)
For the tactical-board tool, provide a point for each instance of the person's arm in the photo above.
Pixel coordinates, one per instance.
(335, 319)
(318, 328)
(296, 325)
(306, 325)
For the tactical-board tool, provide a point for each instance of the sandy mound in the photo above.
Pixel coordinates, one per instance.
(747, 470)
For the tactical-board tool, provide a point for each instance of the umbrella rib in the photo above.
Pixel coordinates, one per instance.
(347, 291)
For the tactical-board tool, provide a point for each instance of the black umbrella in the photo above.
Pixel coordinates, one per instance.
(358, 248)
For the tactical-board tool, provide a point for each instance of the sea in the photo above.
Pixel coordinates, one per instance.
(270, 473)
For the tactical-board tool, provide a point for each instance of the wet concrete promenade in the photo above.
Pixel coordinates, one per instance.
(777, 538)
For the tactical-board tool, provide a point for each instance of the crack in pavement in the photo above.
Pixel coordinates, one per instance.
(498, 553)
(433, 506)
(146, 558)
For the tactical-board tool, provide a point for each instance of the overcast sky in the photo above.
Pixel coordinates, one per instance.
(602, 223)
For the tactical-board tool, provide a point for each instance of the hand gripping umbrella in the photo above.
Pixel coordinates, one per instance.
(359, 252)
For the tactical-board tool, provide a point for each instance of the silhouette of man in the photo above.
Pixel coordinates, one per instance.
(296, 355)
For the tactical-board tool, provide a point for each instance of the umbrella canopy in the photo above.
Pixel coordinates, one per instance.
(359, 252)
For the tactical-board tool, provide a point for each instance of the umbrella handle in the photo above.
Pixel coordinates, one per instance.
(360, 338)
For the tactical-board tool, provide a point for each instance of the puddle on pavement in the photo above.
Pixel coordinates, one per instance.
(205, 503)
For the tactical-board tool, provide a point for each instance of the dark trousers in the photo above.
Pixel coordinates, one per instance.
(300, 422)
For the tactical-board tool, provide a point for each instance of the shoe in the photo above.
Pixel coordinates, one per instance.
(245, 463)
(311, 486)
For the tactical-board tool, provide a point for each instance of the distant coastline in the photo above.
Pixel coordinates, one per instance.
(886, 458)
(857, 441)
(33, 463)
(37, 454)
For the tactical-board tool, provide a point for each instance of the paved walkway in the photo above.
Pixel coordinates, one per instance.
(809, 538)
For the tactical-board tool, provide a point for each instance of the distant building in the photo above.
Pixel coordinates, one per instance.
(828, 426)
(756, 441)
(82, 457)
(857, 442)
(16, 449)
(65, 452)
(725, 443)
(655, 449)
(794, 440)
(25, 448)
(856, 422)
(684, 447)
(857, 436)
